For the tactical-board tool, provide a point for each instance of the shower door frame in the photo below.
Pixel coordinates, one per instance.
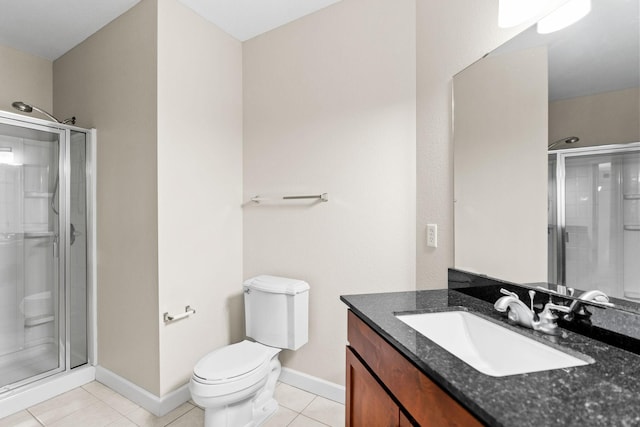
(64, 219)
(560, 157)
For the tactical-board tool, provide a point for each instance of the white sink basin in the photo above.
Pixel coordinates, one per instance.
(488, 347)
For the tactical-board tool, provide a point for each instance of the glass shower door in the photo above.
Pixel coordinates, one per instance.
(30, 270)
(78, 262)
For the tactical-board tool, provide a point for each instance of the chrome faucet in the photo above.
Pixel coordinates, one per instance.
(577, 307)
(518, 312)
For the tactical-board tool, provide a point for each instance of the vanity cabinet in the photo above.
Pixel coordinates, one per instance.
(383, 386)
(369, 404)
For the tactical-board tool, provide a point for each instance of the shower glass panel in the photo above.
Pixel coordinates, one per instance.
(30, 269)
(78, 249)
(598, 211)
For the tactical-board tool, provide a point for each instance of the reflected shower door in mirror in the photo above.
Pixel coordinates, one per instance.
(581, 85)
(597, 232)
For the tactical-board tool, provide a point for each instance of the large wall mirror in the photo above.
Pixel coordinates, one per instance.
(547, 157)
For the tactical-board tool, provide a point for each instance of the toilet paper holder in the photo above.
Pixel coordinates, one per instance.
(168, 318)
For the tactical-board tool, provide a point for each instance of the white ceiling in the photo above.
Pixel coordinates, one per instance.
(50, 28)
(245, 19)
(582, 57)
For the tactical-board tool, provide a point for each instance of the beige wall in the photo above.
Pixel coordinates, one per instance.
(450, 36)
(199, 188)
(329, 106)
(500, 164)
(25, 78)
(604, 118)
(109, 82)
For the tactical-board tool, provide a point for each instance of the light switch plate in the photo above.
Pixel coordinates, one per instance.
(432, 235)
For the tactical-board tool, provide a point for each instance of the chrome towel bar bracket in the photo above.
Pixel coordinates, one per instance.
(188, 311)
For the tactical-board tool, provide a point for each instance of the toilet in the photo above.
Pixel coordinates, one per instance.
(235, 384)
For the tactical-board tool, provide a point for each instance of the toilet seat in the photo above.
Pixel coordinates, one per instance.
(234, 367)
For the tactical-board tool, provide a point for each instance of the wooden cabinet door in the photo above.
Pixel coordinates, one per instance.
(404, 421)
(421, 398)
(367, 403)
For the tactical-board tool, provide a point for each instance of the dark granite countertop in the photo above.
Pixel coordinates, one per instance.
(605, 393)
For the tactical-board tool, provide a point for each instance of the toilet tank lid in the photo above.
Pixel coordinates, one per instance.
(277, 285)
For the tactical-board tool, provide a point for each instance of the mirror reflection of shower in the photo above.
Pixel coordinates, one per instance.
(594, 219)
(27, 108)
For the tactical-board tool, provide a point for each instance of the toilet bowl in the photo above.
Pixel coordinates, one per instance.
(235, 384)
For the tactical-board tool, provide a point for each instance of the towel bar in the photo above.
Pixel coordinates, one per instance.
(324, 197)
(168, 318)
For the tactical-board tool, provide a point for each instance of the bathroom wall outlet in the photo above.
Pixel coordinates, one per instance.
(432, 235)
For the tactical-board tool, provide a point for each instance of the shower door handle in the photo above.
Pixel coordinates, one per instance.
(56, 248)
(72, 235)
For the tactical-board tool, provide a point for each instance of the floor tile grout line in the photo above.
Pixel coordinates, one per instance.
(308, 404)
(300, 414)
(102, 399)
(60, 419)
(34, 417)
(115, 393)
(171, 422)
(69, 414)
(295, 410)
(309, 416)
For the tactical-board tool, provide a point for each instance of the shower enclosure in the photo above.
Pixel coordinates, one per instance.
(45, 250)
(594, 219)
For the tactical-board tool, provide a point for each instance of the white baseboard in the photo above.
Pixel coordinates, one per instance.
(45, 389)
(161, 406)
(158, 406)
(313, 385)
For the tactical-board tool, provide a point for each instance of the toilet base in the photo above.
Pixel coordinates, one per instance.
(250, 412)
(240, 415)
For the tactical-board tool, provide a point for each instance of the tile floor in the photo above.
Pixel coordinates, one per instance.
(94, 405)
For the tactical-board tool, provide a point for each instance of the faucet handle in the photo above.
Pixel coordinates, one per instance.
(509, 293)
(549, 320)
(551, 306)
(532, 296)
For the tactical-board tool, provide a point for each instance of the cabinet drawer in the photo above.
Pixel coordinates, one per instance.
(427, 403)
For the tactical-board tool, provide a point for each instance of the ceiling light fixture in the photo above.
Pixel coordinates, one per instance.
(567, 14)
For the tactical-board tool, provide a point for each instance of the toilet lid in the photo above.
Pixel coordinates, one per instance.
(231, 361)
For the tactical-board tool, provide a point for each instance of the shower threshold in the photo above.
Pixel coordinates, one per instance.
(27, 363)
(36, 392)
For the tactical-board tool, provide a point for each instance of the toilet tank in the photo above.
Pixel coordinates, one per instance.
(276, 311)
